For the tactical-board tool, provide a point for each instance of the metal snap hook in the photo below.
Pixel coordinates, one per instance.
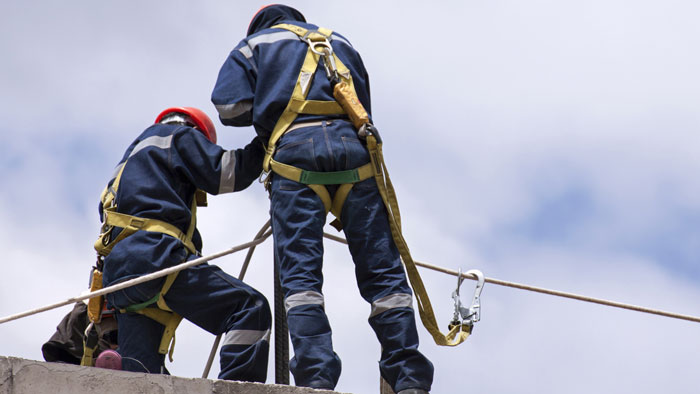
(470, 315)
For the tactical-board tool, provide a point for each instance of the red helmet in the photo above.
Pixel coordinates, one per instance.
(200, 120)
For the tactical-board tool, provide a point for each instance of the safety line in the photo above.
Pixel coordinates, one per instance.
(546, 291)
(267, 234)
(141, 279)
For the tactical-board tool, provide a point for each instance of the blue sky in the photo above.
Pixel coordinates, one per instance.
(553, 143)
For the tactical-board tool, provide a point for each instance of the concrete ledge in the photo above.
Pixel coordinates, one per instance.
(20, 376)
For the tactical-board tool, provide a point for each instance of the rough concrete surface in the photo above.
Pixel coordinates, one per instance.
(20, 376)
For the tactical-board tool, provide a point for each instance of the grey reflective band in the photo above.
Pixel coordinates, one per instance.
(228, 172)
(156, 141)
(116, 171)
(303, 298)
(231, 111)
(246, 337)
(335, 37)
(399, 300)
(270, 38)
(246, 51)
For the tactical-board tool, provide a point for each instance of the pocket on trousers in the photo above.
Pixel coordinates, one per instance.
(299, 153)
(356, 154)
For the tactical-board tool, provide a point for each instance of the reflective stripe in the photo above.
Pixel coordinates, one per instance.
(335, 37)
(270, 38)
(399, 300)
(116, 171)
(246, 337)
(248, 54)
(246, 51)
(303, 298)
(231, 111)
(114, 177)
(157, 141)
(228, 172)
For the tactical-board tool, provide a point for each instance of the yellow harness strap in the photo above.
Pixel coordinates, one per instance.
(458, 333)
(94, 313)
(299, 105)
(131, 224)
(168, 319)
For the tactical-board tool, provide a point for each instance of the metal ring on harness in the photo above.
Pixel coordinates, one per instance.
(312, 44)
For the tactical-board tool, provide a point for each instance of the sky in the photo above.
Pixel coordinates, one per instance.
(552, 143)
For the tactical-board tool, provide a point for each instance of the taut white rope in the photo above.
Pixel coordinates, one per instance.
(141, 279)
(547, 291)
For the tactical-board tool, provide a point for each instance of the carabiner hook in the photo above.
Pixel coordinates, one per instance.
(470, 315)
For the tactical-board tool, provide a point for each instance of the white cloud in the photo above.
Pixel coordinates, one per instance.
(547, 143)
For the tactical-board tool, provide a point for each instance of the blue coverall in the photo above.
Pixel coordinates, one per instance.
(253, 87)
(164, 166)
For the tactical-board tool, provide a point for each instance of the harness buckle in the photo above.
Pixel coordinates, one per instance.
(471, 315)
(264, 178)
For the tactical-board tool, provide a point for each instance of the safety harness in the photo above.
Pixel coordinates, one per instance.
(346, 102)
(155, 308)
(299, 105)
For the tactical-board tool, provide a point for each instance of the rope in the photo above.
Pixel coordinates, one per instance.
(136, 281)
(241, 275)
(546, 291)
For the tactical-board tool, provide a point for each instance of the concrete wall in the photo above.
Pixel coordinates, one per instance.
(20, 376)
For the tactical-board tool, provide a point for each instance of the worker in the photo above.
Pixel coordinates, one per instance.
(156, 181)
(254, 87)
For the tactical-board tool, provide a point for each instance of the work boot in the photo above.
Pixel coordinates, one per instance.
(413, 391)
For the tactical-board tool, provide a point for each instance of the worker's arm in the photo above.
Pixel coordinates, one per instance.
(235, 88)
(213, 169)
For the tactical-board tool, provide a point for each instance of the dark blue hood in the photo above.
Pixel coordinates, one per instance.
(273, 14)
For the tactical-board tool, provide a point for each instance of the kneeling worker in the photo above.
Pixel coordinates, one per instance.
(148, 213)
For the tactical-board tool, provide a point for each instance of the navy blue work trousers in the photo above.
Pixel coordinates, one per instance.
(214, 301)
(298, 218)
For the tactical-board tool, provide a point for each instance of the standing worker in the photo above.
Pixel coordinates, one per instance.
(274, 80)
(148, 211)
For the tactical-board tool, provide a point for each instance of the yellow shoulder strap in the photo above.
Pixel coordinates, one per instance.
(297, 103)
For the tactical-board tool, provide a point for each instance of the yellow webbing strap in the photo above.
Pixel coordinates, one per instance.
(168, 319)
(297, 103)
(88, 353)
(457, 334)
(130, 224)
(335, 205)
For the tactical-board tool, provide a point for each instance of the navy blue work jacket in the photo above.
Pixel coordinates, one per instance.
(164, 167)
(256, 81)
